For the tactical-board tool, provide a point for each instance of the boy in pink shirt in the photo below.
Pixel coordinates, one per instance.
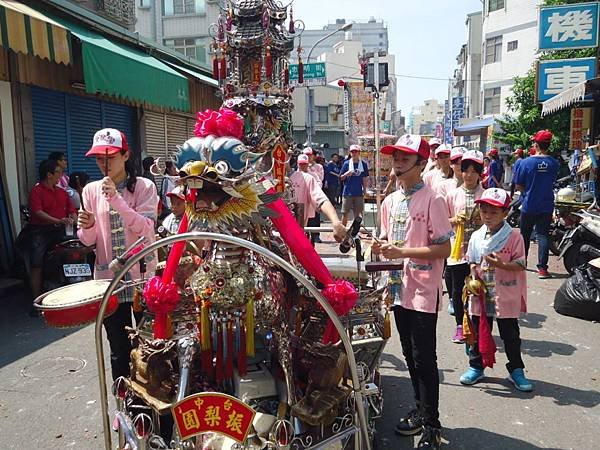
(496, 256)
(414, 229)
(435, 178)
(120, 208)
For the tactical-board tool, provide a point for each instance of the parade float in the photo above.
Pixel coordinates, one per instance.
(247, 339)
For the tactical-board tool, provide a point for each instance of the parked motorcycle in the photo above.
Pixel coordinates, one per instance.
(514, 213)
(68, 262)
(581, 244)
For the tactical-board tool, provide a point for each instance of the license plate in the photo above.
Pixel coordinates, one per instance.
(77, 270)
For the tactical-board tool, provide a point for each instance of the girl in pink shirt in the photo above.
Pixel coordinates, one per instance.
(496, 256)
(119, 209)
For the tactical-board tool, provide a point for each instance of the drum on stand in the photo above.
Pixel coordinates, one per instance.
(76, 304)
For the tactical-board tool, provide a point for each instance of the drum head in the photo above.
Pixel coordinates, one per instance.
(75, 294)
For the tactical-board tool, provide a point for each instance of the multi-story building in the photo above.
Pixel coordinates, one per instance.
(373, 34)
(509, 47)
(179, 24)
(426, 116)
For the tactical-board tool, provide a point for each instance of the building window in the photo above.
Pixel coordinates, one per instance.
(512, 45)
(193, 47)
(321, 113)
(144, 3)
(493, 49)
(495, 5)
(491, 101)
(175, 7)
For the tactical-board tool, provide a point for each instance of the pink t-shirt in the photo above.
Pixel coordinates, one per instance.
(316, 170)
(307, 192)
(138, 212)
(435, 179)
(427, 224)
(511, 287)
(447, 185)
(456, 201)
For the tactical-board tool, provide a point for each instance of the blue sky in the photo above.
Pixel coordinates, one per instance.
(425, 36)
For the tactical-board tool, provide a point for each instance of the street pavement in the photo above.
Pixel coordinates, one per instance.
(49, 386)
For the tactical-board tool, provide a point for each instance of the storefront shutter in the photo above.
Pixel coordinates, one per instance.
(84, 119)
(156, 140)
(49, 123)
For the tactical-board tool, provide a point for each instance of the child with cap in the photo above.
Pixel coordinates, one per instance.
(119, 209)
(464, 217)
(355, 175)
(518, 155)
(414, 231)
(431, 162)
(177, 199)
(456, 180)
(435, 177)
(496, 255)
(496, 169)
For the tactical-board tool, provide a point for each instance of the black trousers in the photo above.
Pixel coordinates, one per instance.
(455, 281)
(509, 333)
(314, 222)
(418, 340)
(120, 345)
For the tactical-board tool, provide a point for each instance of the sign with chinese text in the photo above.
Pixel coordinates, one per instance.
(555, 76)
(279, 158)
(581, 123)
(447, 123)
(458, 110)
(314, 74)
(568, 26)
(213, 412)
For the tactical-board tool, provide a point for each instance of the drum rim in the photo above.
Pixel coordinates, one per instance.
(38, 301)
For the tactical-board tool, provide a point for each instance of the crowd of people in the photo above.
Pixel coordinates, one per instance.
(443, 216)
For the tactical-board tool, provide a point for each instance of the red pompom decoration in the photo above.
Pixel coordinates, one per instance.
(342, 297)
(206, 123)
(161, 300)
(225, 122)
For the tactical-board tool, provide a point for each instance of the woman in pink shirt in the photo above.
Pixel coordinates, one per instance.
(414, 231)
(119, 209)
(435, 178)
(461, 210)
(496, 256)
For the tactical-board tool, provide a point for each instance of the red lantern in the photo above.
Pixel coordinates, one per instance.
(215, 67)
(268, 62)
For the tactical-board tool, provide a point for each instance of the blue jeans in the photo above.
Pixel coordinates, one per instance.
(541, 222)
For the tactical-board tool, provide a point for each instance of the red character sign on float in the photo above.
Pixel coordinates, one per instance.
(279, 157)
(213, 412)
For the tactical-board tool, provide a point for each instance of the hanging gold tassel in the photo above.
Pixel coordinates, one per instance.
(205, 335)
(455, 254)
(298, 322)
(387, 325)
(468, 333)
(137, 304)
(250, 327)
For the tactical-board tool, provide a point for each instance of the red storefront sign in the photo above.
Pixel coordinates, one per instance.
(581, 122)
(213, 412)
(279, 158)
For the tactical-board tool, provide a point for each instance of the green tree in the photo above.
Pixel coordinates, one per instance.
(525, 116)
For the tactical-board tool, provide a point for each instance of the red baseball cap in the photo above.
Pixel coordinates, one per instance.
(108, 141)
(413, 144)
(493, 152)
(542, 136)
(495, 197)
(518, 151)
(531, 151)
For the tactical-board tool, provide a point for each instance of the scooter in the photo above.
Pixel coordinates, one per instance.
(68, 262)
(581, 244)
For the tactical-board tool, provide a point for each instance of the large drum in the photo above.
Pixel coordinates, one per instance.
(76, 304)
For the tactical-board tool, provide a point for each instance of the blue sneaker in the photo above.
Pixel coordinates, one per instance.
(518, 378)
(471, 376)
(450, 308)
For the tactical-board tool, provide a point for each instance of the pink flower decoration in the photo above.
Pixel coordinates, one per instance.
(225, 122)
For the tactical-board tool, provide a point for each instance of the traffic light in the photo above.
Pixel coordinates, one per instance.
(369, 75)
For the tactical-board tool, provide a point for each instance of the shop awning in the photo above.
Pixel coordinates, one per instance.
(475, 127)
(113, 68)
(27, 31)
(570, 96)
(204, 78)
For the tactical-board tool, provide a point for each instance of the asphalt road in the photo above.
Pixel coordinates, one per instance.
(49, 388)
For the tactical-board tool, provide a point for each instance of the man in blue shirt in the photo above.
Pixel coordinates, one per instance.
(332, 178)
(354, 174)
(496, 170)
(535, 179)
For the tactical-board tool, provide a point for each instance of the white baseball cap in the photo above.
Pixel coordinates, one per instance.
(434, 141)
(308, 151)
(457, 152)
(303, 159)
(443, 148)
(495, 197)
(355, 148)
(409, 143)
(108, 141)
(473, 155)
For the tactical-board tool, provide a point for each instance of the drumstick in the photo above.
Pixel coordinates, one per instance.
(106, 162)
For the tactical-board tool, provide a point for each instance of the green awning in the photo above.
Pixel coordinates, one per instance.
(204, 78)
(113, 68)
